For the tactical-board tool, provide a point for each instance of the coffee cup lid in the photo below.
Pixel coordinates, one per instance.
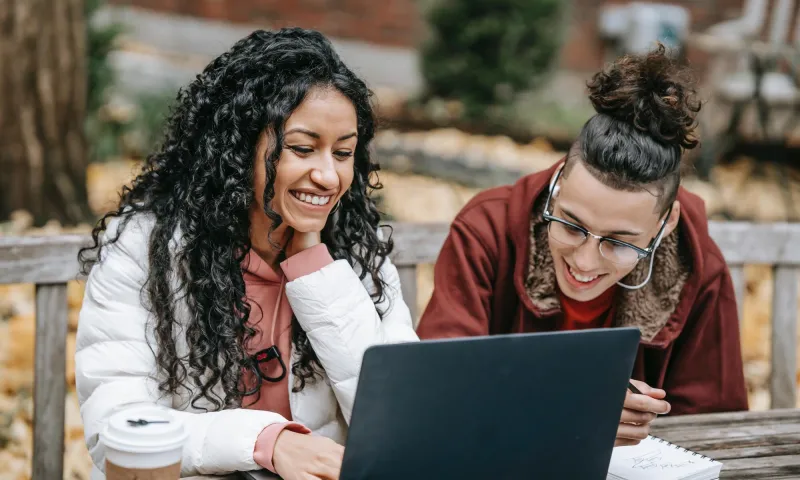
(144, 429)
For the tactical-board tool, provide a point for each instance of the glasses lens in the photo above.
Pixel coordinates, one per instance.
(619, 254)
(566, 234)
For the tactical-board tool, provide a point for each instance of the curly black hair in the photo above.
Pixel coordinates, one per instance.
(646, 118)
(199, 182)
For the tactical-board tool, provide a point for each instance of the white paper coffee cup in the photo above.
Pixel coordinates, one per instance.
(144, 441)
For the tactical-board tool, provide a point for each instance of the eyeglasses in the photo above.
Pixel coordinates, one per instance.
(616, 251)
(256, 365)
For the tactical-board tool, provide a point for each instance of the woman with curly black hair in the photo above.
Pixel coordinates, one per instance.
(243, 274)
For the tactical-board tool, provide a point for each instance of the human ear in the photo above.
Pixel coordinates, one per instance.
(673, 219)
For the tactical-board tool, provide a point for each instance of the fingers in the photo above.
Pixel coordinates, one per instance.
(626, 431)
(648, 390)
(625, 442)
(328, 472)
(325, 471)
(646, 403)
(330, 463)
(636, 417)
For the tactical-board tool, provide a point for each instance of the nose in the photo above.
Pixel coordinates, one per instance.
(587, 257)
(324, 173)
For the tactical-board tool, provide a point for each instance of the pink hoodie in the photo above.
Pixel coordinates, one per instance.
(265, 292)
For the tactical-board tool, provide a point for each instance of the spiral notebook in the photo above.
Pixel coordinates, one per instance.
(657, 459)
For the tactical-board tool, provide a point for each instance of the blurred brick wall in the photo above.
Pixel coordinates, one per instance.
(399, 22)
(385, 22)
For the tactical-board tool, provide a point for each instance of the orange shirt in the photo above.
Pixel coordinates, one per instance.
(596, 313)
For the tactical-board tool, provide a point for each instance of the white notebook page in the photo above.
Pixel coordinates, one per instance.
(657, 459)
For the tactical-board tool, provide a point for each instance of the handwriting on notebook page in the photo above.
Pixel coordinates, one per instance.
(657, 459)
(653, 460)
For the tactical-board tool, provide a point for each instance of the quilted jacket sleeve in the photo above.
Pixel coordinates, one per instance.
(335, 309)
(115, 366)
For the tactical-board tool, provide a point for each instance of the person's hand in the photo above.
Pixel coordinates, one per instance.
(300, 241)
(638, 413)
(300, 456)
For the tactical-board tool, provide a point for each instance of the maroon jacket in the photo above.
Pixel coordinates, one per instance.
(495, 275)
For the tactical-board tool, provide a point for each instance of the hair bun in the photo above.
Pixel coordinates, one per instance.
(653, 93)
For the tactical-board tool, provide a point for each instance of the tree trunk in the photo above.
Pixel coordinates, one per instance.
(43, 155)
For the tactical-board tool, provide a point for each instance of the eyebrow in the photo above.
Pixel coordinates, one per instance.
(625, 233)
(316, 135)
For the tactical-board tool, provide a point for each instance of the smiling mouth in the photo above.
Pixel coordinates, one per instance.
(312, 199)
(579, 277)
(579, 280)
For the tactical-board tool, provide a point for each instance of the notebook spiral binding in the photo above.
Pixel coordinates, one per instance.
(677, 447)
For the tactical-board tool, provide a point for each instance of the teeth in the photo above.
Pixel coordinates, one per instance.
(312, 199)
(581, 278)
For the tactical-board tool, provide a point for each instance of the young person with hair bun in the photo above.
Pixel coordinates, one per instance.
(607, 238)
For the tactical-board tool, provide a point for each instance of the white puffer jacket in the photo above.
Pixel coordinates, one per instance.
(115, 366)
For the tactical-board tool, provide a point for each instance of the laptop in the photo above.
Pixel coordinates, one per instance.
(539, 405)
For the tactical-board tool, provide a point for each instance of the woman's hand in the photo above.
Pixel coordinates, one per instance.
(300, 456)
(300, 241)
(638, 413)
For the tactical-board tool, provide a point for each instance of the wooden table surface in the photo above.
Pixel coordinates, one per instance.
(750, 445)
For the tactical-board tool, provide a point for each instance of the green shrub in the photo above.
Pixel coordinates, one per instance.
(483, 52)
(101, 133)
(100, 41)
(117, 124)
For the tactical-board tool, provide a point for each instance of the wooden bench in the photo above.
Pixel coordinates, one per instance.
(50, 262)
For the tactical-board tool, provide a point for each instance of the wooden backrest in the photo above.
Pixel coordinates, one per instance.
(772, 23)
(50, 262)
(771, 19)
(780, 21)
(751, 21)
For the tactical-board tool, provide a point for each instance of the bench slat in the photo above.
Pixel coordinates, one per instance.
(784, 338)
(744, 243)
(49, 381)
(46, 259)
(739, 286)
(52, 259)
(779, 23)
(408, 281)
(416, 243)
